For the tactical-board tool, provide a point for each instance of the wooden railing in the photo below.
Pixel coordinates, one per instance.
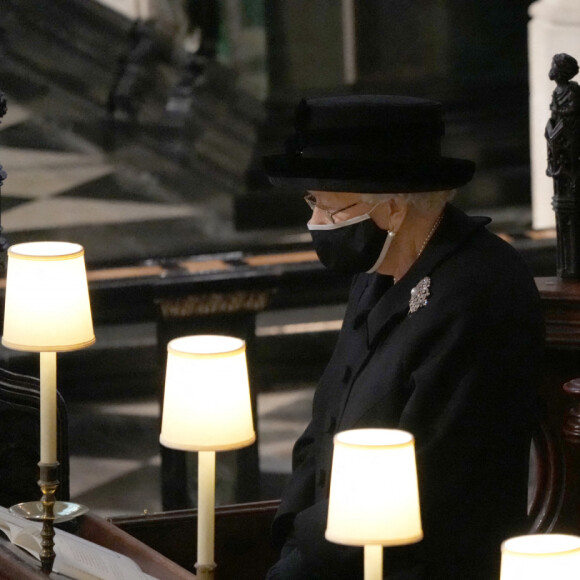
(243, 549)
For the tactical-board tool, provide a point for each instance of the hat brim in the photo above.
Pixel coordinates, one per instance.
(361, 176)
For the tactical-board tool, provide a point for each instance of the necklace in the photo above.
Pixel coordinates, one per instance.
(425, 241)
(430, 234)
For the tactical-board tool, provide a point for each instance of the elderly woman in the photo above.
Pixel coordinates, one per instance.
(442, 337)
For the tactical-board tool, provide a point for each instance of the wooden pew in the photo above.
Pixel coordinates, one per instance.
(243, 549)
(560, 391)
(104, 533)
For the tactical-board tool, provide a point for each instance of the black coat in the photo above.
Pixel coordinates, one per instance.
(461, 375)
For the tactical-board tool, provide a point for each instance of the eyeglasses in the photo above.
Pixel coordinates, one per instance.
(312, 204)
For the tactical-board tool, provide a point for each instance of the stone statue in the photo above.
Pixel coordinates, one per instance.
(563, 137)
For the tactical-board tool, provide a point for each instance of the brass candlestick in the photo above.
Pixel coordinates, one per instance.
(49, 511)
(48, 484)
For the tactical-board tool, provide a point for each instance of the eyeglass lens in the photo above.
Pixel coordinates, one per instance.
(312, 204)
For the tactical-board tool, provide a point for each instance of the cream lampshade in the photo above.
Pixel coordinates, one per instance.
(374, 495)
(207, 405)
(47, 310)
(206, 408)
(47, 306)
(541, 556)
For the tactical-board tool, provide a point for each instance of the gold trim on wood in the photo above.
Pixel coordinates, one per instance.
(214, 303)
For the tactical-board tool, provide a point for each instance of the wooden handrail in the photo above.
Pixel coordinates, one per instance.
(243, 549)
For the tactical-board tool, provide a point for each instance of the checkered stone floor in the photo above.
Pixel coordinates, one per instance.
(60, 186)
(115, 460)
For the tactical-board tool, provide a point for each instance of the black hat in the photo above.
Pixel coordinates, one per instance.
(367, 144)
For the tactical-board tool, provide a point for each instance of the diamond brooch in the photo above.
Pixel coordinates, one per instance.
(419, 295)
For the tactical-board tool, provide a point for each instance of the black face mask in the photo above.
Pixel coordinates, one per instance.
(352, 246)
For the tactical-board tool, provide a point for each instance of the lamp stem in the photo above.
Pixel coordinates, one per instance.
(205, 564)
(373, 562)
(48, 400)
(48, 455)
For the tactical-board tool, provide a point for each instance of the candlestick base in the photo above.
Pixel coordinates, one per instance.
(205, 571)
(48, 511)
(63, 510)
(48, 485)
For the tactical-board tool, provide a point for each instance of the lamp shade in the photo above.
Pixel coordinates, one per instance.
(540, 556)
(47, 305)
(374, 495)
(207, 404)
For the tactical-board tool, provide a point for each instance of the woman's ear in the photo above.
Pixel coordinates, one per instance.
(390, 214)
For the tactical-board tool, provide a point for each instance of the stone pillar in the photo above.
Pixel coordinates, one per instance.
(554, 27)
(305, 53)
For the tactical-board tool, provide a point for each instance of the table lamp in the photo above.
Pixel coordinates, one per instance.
(374, 496)
(47, 310)
(206, 408)
(541, 556)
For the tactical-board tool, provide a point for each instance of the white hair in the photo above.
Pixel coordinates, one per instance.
(424, 202)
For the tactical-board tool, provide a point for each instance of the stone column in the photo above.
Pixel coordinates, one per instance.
(305, 53)
(554, 27)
